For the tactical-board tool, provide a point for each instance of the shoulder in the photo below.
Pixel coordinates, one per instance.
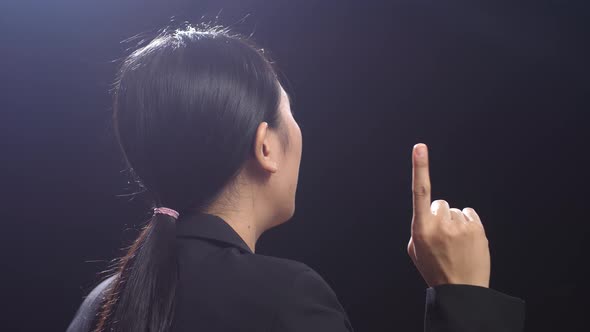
(84, 317)
(305, 301)
(288, 279)
(308, 288)
(289, 274)
(309, 304)
(255, 268)
(288, 266)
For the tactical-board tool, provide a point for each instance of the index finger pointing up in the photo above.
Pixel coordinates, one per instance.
(420, 181)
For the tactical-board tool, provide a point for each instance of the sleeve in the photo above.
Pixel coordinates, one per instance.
(85, 316)
(311, 306)
(465, 308)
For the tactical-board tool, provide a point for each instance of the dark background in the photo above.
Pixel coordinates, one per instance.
(498, 90)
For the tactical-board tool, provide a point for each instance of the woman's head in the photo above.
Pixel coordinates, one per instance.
(199, 112)
(205, 126)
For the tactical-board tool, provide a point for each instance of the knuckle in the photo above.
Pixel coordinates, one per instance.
(455, 210)
(421, 190)
(440, 202)
(471, 213)
(440, 208)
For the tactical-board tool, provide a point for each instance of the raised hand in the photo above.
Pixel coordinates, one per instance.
(447, 245)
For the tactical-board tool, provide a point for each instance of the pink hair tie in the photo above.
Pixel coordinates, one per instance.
(165, 210)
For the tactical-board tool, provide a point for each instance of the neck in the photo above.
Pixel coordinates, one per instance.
(244, 225)
(248, 215)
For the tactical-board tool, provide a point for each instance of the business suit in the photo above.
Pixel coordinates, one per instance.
(223, 286)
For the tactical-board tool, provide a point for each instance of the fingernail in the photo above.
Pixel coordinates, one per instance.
(420, 150)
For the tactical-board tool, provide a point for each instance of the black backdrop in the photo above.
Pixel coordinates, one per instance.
(497, 89)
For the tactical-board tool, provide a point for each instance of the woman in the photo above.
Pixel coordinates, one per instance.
(206, 128)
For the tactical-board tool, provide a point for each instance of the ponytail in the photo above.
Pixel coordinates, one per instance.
(141, 297)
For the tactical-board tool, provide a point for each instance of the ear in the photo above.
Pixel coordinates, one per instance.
(264, 155)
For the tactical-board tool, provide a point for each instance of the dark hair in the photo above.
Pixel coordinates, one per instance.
(186, 109)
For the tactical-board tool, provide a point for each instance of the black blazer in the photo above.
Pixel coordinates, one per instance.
(225, 287)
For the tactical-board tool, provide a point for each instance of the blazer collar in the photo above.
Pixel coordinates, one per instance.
(212, 227)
